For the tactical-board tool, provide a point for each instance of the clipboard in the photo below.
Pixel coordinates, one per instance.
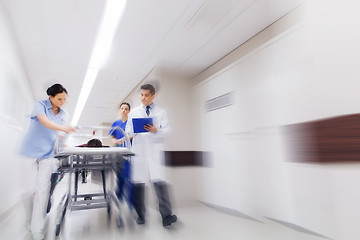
(139, 123)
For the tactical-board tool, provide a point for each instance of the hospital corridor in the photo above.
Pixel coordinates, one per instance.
(181, 119)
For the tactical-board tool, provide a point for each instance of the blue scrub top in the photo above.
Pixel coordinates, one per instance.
(116, 132)
(39, 141)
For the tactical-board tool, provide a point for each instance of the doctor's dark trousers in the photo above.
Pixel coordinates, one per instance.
(162, 194)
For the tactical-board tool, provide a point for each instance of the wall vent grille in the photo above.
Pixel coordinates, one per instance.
(219, 102)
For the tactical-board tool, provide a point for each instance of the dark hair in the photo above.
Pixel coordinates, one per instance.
(94, 143)
(124, 103)
(148, 87)
(55, 89)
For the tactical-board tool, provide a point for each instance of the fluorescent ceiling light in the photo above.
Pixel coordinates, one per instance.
(89, 80)
(113, 13)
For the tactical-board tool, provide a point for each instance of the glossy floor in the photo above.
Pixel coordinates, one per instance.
(196, 221)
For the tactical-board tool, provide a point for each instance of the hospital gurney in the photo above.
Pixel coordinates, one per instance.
(72, 160)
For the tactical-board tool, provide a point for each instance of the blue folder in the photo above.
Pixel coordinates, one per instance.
(139, 123)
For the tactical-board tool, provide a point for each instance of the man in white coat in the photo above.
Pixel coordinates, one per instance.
(147, 164)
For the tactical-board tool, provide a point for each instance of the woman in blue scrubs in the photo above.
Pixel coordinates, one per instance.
(118, 136)
(123, 174)
(46, 120)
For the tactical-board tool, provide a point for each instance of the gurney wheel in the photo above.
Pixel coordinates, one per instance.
(109, 213)
(109, 209)
(57, 232)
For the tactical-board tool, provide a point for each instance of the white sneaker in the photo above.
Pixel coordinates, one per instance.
(38, 236)
(28, 225)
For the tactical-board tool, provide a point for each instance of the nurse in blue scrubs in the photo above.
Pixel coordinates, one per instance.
(123, 174)
(118, 136)
(46, 120)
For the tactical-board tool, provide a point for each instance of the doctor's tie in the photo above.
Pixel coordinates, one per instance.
(148, 110)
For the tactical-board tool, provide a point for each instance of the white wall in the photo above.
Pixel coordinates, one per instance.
(15, 101)
(307, 72)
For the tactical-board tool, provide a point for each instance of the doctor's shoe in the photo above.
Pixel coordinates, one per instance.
(168, 220)
(48, 208)
(140, 221)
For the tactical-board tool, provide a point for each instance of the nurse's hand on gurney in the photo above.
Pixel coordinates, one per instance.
(54, 126)
(62, 137)
(68, 129)
(118, 141)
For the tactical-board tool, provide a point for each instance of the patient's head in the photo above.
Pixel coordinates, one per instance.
(94, 143)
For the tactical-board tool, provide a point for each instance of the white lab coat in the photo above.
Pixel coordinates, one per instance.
(148, 162)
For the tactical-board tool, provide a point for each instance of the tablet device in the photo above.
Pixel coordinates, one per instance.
(139, 123)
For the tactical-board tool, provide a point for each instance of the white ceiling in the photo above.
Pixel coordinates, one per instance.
(56, 39)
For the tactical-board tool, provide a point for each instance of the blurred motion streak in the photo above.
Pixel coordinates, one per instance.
(330, 140)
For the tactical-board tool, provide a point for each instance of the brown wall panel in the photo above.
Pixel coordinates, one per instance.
(335, 139)
(183, 158)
